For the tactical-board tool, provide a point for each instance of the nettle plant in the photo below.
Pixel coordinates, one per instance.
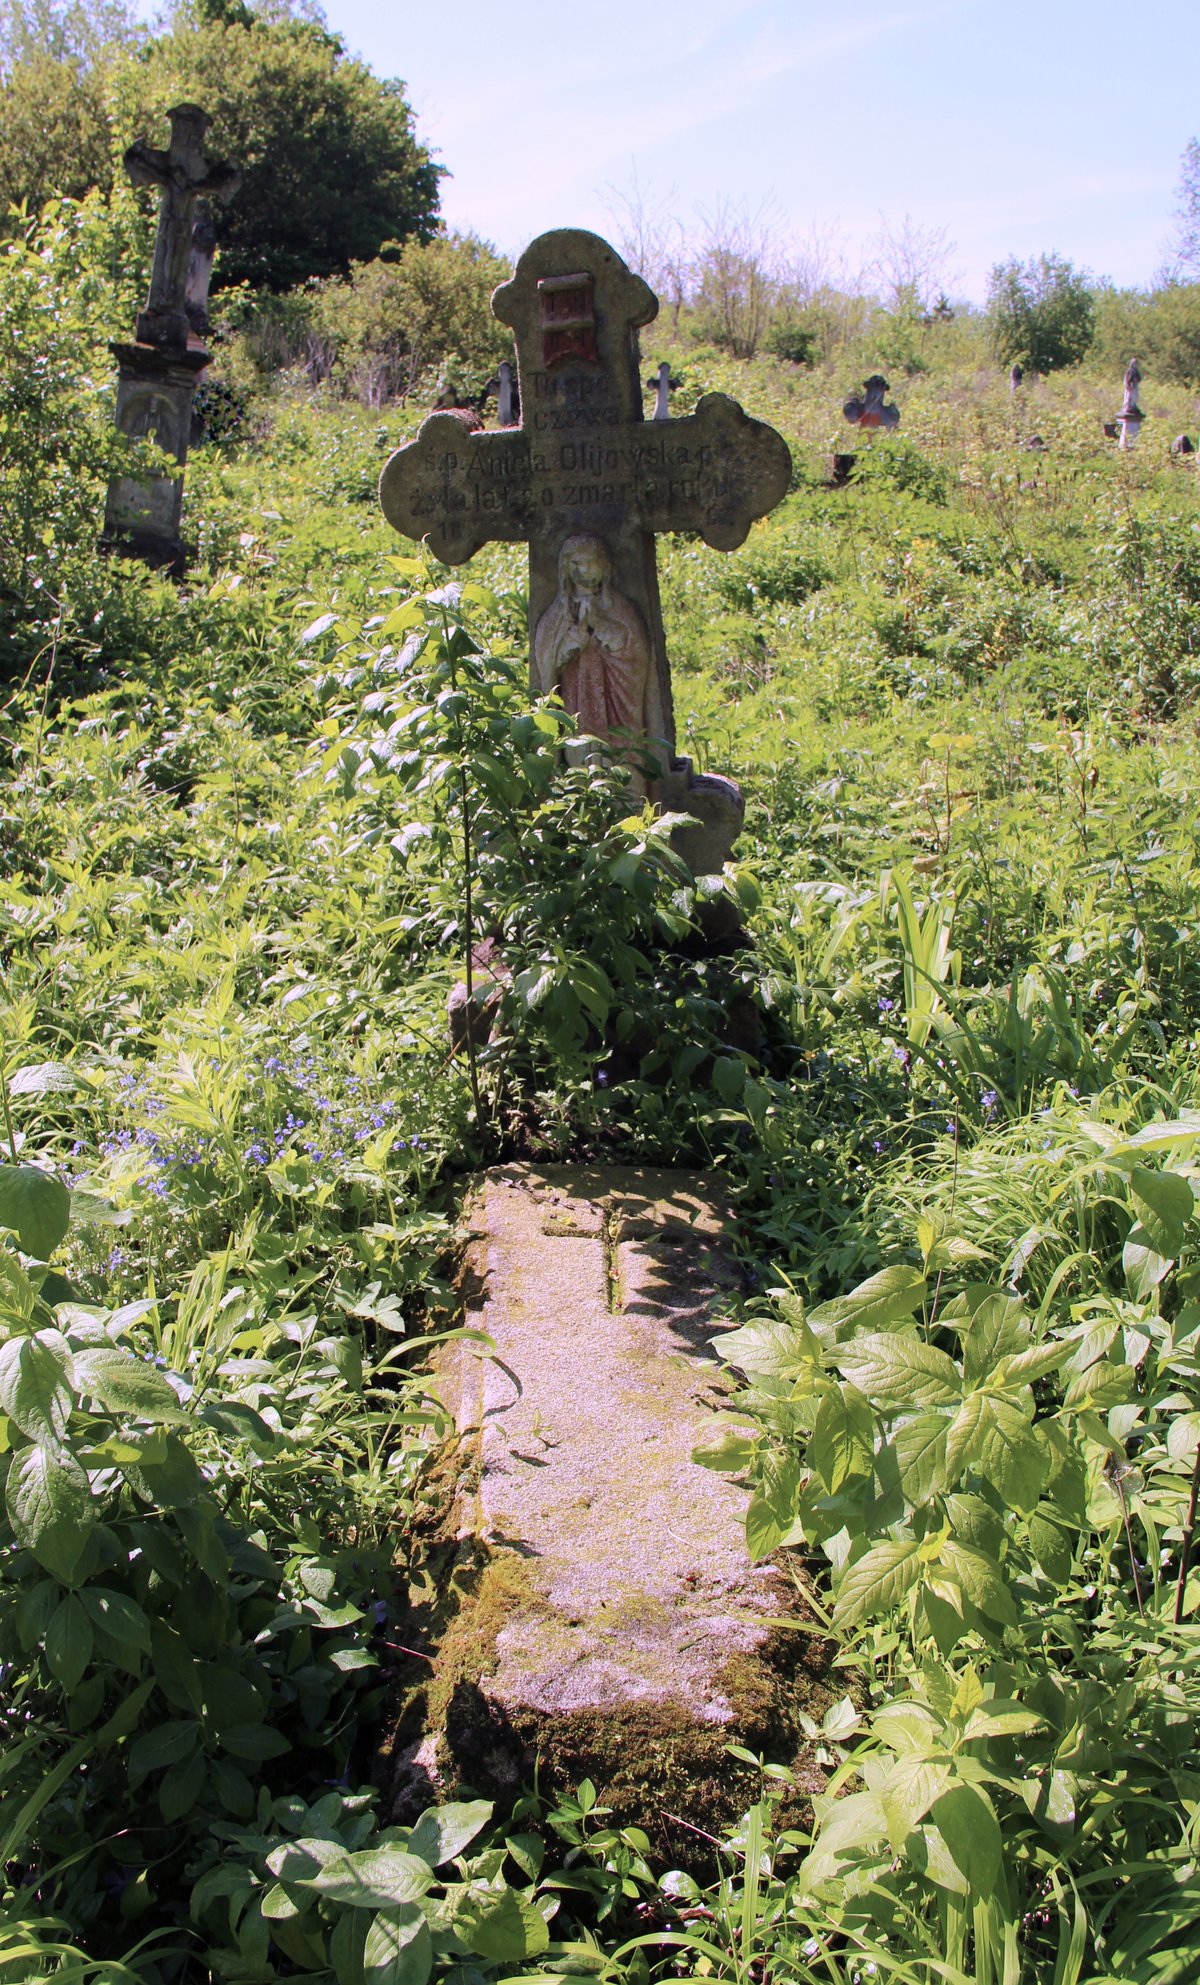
(531, 859)
(1000, 1501)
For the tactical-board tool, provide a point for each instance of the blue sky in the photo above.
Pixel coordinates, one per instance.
(1016, 129)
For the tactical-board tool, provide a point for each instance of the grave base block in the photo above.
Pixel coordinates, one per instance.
(589, 1608)
(716, 804)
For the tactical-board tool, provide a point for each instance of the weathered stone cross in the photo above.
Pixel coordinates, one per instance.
(185, 176)
(587, 482)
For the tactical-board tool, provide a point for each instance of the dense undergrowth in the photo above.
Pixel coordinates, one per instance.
(253, 827)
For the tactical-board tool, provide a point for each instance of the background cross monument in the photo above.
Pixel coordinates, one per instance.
(586, 481)
(156, 375)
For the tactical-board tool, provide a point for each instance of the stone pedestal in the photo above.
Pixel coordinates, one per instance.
(154, 402)
(595, 1612)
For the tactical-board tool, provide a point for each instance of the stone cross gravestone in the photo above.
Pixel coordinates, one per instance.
(867, 409)
(586, 482)
(185, 177)
(156, 375)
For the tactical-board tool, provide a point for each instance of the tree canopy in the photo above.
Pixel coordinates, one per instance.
(331, 167)
(1041, 313)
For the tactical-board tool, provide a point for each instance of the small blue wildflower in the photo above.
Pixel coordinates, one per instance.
(886, 1005)
(878, 1146)
(380, 1612)
(272, 1065)
(255, 1154)
(988, 1102)
(77, 1147)
(952, 1127)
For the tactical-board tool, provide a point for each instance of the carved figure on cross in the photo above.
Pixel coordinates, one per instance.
(185, 176)
(586, 481)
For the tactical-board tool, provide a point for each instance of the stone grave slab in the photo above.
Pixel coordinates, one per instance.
(607, 1621)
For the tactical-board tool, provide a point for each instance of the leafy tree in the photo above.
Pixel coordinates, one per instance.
(397, 320)
(331, 168)
(1041, 313)
(1161, 325)
(55, 60)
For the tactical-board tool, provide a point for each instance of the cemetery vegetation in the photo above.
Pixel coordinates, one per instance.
(259, 823)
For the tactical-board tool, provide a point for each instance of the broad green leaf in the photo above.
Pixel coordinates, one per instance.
(123, 1384)
(997, 1327)
(1051, 1798)
(919, 1447)
(1001, 1716)
(1144, 1266)
(877, 1581)
(181, 1786)
(992, 1434)
(772, 1509)
(44, 1078)
(36, 1206)
(169, 1743)
(981, 1579)
(908, 1728)
(887, 1297)
(729, 1078)
(966, 1820)
(399, 1950)
(441, 1832)
(841, 1441)
(372, 1879)
(1034, 1363)
(116, 1614)
(927, 1852)
(851, 1829)
(772, 1347)
(50, 1507)
(254, 1741)
(1183, 1437)
(35, 1384)
(1051, 1545)
(899, 1372)
(68, 1642)
(498, 1925)
(1165, 1204)
(727, 1456)
(908, 1791)
(1182, 1129)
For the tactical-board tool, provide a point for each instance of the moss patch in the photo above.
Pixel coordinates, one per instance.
(656, 1765)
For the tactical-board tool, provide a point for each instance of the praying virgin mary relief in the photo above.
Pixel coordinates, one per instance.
(591, 646)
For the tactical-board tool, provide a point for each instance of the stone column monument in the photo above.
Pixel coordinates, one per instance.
(1130, 418)
(586, 482)
(156, 375)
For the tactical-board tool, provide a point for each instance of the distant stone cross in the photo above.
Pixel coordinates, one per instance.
(586, 481)
(185, 176)
(869, 410)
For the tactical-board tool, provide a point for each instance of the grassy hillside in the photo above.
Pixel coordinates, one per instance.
(959, 1107)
